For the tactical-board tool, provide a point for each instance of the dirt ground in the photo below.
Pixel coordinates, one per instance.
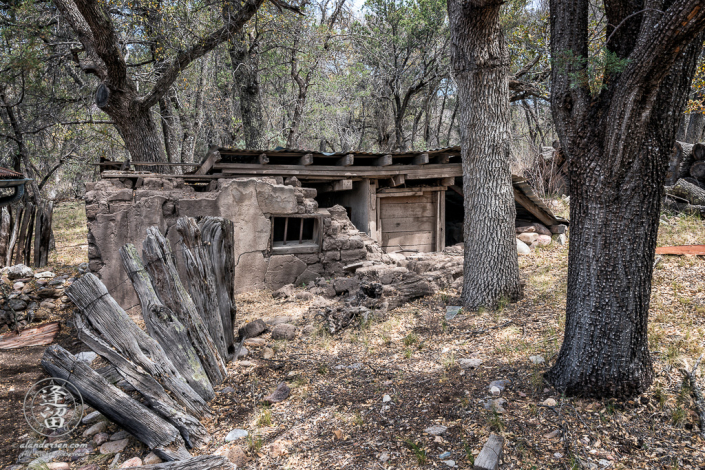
(363, 398)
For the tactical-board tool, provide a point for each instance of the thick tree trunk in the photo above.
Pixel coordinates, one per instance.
(140, 133)
(246, 86)
(480, 61)
(618, 144)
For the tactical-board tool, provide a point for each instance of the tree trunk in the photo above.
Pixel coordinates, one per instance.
(618, 142)
(140, 133)
(480, 60)
(246, 86)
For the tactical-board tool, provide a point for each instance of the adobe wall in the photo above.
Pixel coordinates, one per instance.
(120, 211)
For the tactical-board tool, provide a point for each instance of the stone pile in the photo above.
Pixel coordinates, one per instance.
(31, 297)
(534, 234)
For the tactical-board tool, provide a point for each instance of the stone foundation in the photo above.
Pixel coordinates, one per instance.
(120, 211)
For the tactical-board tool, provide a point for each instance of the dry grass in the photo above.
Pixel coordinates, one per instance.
(70, 230)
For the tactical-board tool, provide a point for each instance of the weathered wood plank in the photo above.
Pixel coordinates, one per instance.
(407, 238)
(211, 157)
(447, 181)
(159, 262)
(383, 161)
(306, 160)
(339, 185)
(27, 250)
(410, 248)
(409, 224)
(109, 400)
(424, 198)
(193, 432)
(202, 462)
(262, 159)
(24, 227)
(529, 205)
(219, 236)
(392, 211)
(491, 452)
(164, 326)
(347, 160)
(420, 159)
(41, 257)
(107, 317)
(397, 180)
(200, 276)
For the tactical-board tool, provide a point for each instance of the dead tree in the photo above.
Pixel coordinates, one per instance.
(115, 326)
(164, 326)
(159, 262)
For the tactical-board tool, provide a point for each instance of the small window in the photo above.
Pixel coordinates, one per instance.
(295, 234)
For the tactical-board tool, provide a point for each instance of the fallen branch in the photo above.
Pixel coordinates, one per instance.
(697, 394)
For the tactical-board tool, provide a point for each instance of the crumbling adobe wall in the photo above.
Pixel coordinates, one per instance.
(120, 211)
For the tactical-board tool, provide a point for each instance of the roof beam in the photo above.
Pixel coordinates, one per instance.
(306, 160)
(397, 180)
(263, 159)
(335, 186)
(421, 159)
(383, 161)
(347, 160)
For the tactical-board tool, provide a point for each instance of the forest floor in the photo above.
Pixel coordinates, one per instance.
(337, 415)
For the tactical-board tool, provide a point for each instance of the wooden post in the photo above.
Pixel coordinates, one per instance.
(383, 161)
(24, 227)
(5, 232)
(397, 180)
(43, 235)
(441, 159)
(347, 160)
(27, 250)
(306, 160)
(263, 159)
(421, 159)
(211, 157)
(159, 262)
(13, 236)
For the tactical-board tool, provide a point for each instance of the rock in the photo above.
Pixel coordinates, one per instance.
(87, 356)
(450, 463)
(553, 434)
(522, 248)
(58, 466)
(280, 394)
(500, 384)
(268, 353)
(386, 399)
(17, 305)
(543, 240)
(47, 304)
(495, 405)
(95, 429)
(234, 454)
(279, 320)
(151, 459)
(18, 285)
(537, 359)
(604, 463)
(90, 417)
(113, 447)
(90, 467)
(536, 227)
(436, 429)
(284, 331)
(444, 455)
(559, 229)
(558, 455)
(255, 342)
(47, 292)
(384, 457)
(44, 275)
(133, 462)
(117, 436)
(284, 292)
(252, 329)
(235, 434)
(227, 390)
(100, 438)
(495, 391)
(19, 271)
(243, 352)
(283, 270)
(561, 239)
(279, 448)
(346, 284)
(528, 238)
(451, 312)
(470, 363)
(247, 363)
(549, 402)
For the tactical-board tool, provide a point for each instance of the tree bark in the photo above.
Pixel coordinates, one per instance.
(618, 141)
(480, 61)
(696, 125)
(202, 462)
(159, 262)
(5, 232)
(165, 327)
(244, 60)
(688, 191)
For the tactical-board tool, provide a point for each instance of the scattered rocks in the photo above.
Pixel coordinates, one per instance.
(255, 342)
(497, 405)
(495, 391)
(113, 447)
(234, 454)
(100, 438)
(133, 462)
(384, 456)
(18, 285)
(280, 394)
(44, 275)
(470, 363)
(522, 248)
(450, 463)
(284, 331)
(243, 352)
(444, 455)
(561, 239)
(95, 429)
(90, 417)
(87, 356)
(528, 238)
(386, 399)
(436, 429)
(151, 459)
(58, 466)
(117, 436)
(252, 329)
(268, 353)
(549, 402)
(235, 434)
(559, 229)
(537, 359)
(279, 320)
(19, 271)
(500, 384)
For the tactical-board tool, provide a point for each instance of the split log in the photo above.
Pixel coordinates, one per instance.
(201, 280)
(202, 462)
(697, 171)
(13, 237)
(115, 326)
(5, 231)
(43, 234)
(697, 394)
(699, 151)
(163, 325)
(109, 400)
(159, 262)
(193, 432)
(683, 207)
(27, 248)
(219, 235)
(24, 227)
(688, 191)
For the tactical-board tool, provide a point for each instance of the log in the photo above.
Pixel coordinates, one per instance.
(200, 276)
(115, 326)
(27, 249)
(193, 432)
(163, 325)
(5, 232)
(24, 227)
(491, 453)
(109, 400)
(699, 151)
(684, 207)
(202, 462)
(41, 256)
(697, 171)
(688, 191)
(159, 262)
(219, 235)
(697, 394)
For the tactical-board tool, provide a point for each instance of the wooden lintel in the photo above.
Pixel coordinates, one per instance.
(347, 160)
(447, 181)
(421, 159)
(306, 160)
(397, 180)
(211, 157)
(530, 206)
(442, 159)
(340, 185)
(263, 159)
(383, 161)
(457, 189)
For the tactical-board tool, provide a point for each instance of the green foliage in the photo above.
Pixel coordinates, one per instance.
(418, 450)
